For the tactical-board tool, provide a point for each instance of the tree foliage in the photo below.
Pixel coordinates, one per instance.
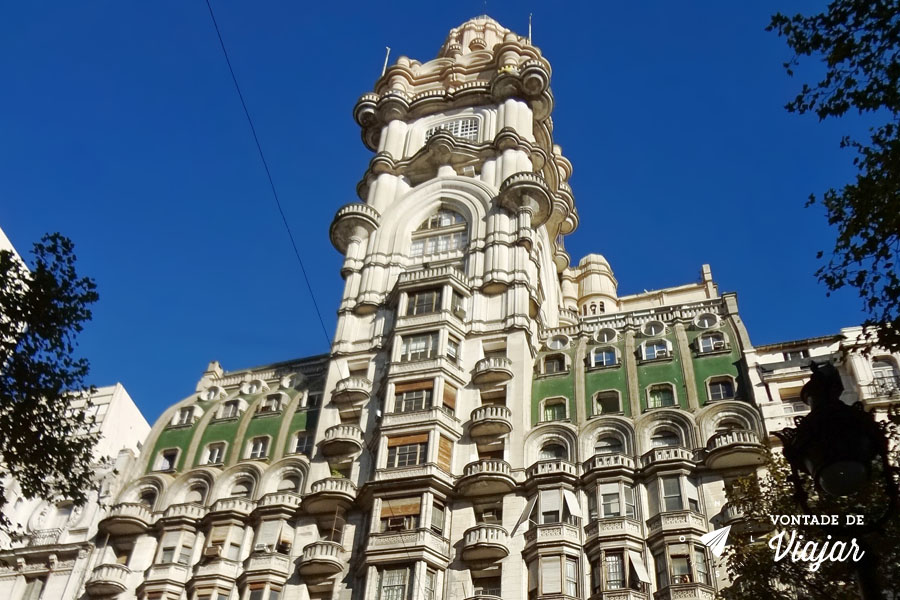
(750, 560)
(44, 444)
(859, 43)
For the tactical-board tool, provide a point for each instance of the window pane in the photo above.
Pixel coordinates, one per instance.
(615, 571)
(700, 562)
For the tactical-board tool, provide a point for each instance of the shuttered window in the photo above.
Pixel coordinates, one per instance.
(551, 575)
(445, 453)
(400, 514)
(408, 450)
(449, 398)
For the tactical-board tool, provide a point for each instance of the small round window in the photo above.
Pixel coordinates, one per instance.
(606, 335)
(654, 328)
(707, 320)
(558, 342)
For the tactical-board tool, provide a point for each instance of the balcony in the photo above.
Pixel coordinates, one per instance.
(485, 478)
(350, 395)
(670, 457)
(439, 415)
(735, 448)
(685, 591)
(328, 495)
(108, 580)
(172, 573)
(231, 508)
(490, 420)
(413, 542)
(321, 559)
(551, 471)
(127, 518)
(619, 595)
(886, 387)
(217, 568)
(429, 471)
(269, 563)
(612, 528)
(608, 464)
(43, 537)
(484, 597)
(553, 534)
(485, 543)
(492, 371)
(677, 521)
(279, 502)
(342, 440)
(184, 514)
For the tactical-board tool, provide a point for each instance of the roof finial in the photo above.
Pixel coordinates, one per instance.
(387, 55)
(529, 27)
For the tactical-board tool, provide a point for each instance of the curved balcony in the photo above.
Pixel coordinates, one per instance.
(674, 456)
(485, 543)
(351, 221)
(677, 521)
(107, 580)
(492, 370)
(127, 518)
(483, 597)
(350, 394)
(329, 494)
(736, 448)
(608, 464)
(490, 420)
(270, 563)
(231, 508)
(486, 478)
(612, 528)
(321, 559)
(341, 440)
(554, 470)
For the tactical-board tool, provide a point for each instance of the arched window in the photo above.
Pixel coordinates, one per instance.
(707, 320)
(653, 328)
(608, 444)
(721, 388)
(290, 483)
(660, 395)
(726, 425)
(711, 342)
(197, 494)
(607, 402)
(444, 231)
(553, 451)
(242, 488)
(148, 498)
(664, 438)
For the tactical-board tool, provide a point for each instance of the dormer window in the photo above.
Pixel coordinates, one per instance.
(607, 403)
(230, 409)
(166, 460)
(259, 447)
(185, 416)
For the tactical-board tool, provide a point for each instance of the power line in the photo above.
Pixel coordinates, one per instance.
(262, 157)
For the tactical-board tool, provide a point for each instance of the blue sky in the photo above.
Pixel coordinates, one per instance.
(120, 128)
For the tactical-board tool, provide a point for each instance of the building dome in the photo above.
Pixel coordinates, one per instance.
(477, 34)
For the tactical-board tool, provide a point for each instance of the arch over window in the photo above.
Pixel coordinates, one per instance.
(664, 438)
(444, 231)
(606, 335)
(706, 320)
(558, 342)
(148, 498)
(607, 402)
(653, 328)
(660, 395)
(609, 444)
(726, 425)
(553, 451)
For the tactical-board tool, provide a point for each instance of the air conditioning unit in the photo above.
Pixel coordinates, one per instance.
(459, 313)
(213, 551)
(720, 345)
(262, 548)
(662, 354)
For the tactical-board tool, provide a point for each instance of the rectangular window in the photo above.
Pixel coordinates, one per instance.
(671, 492)
(423, 302)
(551, 575)
(430, 583)
(184, 416)
(487, 586)
(662, 572)
(167, 555)
(593, 513)
(394, 584)
(629, 501)
(453, 349)
(458, 304)
(234, 551)
(406, 451)
(608, 403)
(419, 347)
(611, 506)
(554, 364)
(304, 444)
(555, 410)
(796, 354)
(700, 562)
(571, 577)
(314, 400)
(411, 397)
(34, 587)
(184, 557)
(167, 460)
(615, 570)
(437, 518)
(681, 569)
(259, 447)
(400, 514)
(216, 454)
(653, 350)
(230, 409)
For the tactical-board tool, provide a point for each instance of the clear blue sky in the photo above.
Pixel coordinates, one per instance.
(121, 129)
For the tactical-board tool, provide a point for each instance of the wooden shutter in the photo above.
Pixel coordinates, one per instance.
(551, 575)
(400, 507)
(218, 534)
(403, 440)
(449, 396)
(413, 386)
(445, 453)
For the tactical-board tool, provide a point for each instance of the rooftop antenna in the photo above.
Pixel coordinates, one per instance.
(387, 55)
(529, 27)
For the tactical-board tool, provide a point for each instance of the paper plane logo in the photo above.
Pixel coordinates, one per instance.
(716, 540)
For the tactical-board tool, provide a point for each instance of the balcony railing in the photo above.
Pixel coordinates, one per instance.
(108, 580)
(328, 494)
(486, 477)
(553, 534)
(669, 454)
(44, 537)
(322, 558)
(600, 529)
(342, 439)
(268, 562)
(409, 540)
(602, 462)
(676, 521)
(490, 419)
(734, 436)
(493, 369)
(234, 505)
(552, 467)
(485, 542)
(883, 387)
